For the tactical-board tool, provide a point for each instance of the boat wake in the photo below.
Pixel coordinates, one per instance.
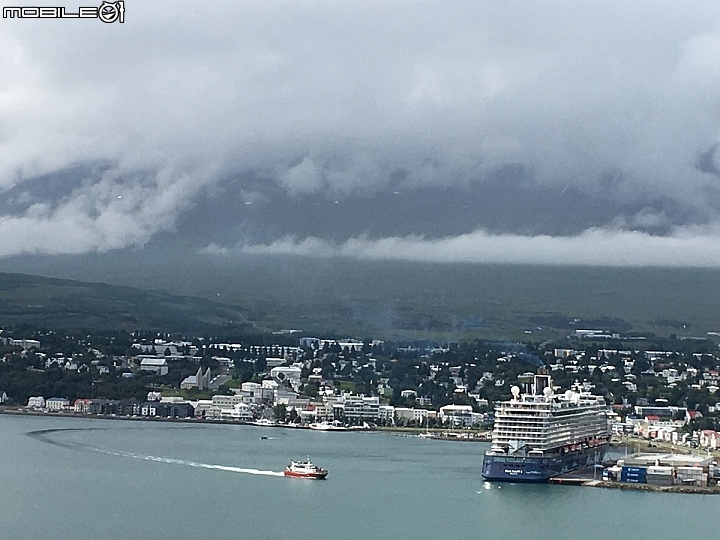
(190, 463)
(44, 435)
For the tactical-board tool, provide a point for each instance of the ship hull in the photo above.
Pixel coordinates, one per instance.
(310, 476)
(499, 468)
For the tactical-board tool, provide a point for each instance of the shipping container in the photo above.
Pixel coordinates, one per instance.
(691, 476)
(633, 475)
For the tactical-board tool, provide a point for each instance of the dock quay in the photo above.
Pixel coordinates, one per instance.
(589, 482)
(668, 473)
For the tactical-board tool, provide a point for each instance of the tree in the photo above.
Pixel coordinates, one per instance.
(280, 412)
(311, 389)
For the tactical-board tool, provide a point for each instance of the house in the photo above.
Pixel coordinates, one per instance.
(692, 415)
(709, 439)
(158, 364)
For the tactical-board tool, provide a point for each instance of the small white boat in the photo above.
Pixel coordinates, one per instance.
(264, 422)
(328, 426)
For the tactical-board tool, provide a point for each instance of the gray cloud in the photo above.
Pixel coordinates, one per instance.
(347, 99)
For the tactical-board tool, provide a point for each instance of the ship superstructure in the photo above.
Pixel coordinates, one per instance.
(539, 434)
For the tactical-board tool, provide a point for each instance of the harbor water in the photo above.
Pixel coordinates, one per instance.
(88, 479)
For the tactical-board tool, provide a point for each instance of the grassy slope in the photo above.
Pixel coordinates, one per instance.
(404, 300)
(56, 303)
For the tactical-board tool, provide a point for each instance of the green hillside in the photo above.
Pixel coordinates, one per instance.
(60, 303)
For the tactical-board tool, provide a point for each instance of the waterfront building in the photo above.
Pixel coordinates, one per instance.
(57, 404)
(36, 402)
(81, 405)
(361, 407)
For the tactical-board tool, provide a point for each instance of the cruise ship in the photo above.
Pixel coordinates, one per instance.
(539, 434)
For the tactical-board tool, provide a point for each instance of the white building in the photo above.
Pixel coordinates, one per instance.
(227, 402)
(204, 408)
(57, 404)
(324, 412)
(386, 413)
(272, 362)
(239, 412)
(36, 402)
(25, 343)
(361, 407)
(290, 373)
(458, 415)
(158, 364)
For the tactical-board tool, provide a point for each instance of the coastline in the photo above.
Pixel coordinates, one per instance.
(461, 436)
(192, 420)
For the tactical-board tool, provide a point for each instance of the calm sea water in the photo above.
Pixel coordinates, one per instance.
(94, 479)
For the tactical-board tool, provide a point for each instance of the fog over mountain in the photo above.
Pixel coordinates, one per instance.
(561, 132)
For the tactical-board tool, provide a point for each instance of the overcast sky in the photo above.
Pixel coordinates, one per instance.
(579, 132)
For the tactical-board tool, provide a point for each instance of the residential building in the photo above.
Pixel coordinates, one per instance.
(459, 415)
(361, 407)
(81, 405)
(57, 404)
(36, 402)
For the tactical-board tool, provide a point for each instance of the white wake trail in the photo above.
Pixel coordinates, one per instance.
(191, 463)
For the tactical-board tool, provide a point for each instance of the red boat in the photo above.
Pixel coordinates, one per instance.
(305, 469)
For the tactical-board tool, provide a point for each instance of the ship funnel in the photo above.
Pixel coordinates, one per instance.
(540, 383)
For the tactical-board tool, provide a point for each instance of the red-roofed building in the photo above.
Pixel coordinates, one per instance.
(692, 415)
(81, 405)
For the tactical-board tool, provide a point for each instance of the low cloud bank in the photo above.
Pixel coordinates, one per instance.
(689, 246)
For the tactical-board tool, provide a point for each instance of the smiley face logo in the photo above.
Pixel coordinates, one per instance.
(109, 12)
